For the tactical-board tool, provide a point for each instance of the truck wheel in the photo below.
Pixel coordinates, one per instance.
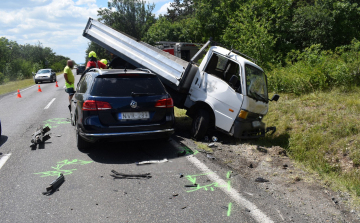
(80, 142)
(200, 124)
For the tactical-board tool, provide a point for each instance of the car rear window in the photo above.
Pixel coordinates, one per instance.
(122, 86)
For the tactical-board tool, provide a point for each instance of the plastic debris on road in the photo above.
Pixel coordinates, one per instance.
(210, 156)
(54, 186)
(118, 175)
(261, 180)
(152, 161)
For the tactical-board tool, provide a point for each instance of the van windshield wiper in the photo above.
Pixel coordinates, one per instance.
(259, 96)
(141, 94)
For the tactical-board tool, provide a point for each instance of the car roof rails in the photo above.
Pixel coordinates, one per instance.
(142, 69)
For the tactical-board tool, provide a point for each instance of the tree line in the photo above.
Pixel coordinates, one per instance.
(275, 32)
(18, 61)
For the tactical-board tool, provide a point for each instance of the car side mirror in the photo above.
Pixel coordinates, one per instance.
(275, 97)
(233, 80)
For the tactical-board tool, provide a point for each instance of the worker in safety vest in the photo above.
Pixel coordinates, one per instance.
(104, 61)
(93, 62)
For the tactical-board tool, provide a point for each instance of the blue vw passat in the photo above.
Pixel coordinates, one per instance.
(121, 105)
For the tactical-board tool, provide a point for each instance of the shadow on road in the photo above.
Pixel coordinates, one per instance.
(3, 140)
(131, 152)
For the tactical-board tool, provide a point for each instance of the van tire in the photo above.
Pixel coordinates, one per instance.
(200, 124)
(80, 142)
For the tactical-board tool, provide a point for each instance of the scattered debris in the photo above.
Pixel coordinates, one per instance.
(247, 210)
(214, 139)
(39, 136)
(152, 161)
(58, 136)
(117, 175)
(191, 185)
(206, 139)
(251, 166)
(54, 186)
(224, 207)
(181, 175)
(211, 144)
(210, 156)
(183, 207)
(334, 200)
(285, 166)
(261, 180)
(175, 195)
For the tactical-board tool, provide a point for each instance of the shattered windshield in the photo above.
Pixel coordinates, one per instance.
(256, 83)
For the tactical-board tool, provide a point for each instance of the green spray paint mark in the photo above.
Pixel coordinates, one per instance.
(196, 152)
(229, 209)
(228, 174)
(54, 122)
(58, 169)
(192, 178)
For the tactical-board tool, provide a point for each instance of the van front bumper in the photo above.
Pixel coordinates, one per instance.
(248, 129)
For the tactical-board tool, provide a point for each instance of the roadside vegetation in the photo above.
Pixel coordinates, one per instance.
(322, 131)
(17, 61)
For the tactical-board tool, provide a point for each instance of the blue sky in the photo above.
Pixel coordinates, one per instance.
(55, 23)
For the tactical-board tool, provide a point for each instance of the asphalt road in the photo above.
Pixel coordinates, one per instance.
(90, 194)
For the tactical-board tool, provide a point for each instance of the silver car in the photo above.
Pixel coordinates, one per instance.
(44, 75)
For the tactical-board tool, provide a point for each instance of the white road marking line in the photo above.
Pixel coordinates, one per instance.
(255, 212)
(25, 89)
(4, 159)
(48, 105)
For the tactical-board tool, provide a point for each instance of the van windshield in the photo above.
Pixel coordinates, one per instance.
(256, 83)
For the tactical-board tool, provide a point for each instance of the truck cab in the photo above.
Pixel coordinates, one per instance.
(233, 91)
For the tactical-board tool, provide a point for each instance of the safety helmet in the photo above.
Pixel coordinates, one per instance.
(104, 61)
(92, 54)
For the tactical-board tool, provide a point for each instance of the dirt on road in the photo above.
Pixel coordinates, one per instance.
(274, 172)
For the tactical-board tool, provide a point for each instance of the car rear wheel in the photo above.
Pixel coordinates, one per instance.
(80, 142)
(200, 124)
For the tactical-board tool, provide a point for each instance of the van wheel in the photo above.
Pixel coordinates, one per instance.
(80, 142)
(200, 124)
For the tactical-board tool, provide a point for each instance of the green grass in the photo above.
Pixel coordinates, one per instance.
(322, 131)
(15, 85)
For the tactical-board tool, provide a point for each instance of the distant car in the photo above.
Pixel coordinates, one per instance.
(80, 69)
(121, 105)
(45, 75)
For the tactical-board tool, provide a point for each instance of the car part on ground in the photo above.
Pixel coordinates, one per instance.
(40, 136)
(54, 186)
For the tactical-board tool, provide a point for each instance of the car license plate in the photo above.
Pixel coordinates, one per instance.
(256, 124)
(133, 115)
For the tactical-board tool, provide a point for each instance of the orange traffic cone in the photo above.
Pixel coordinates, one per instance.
(39, 90)
(56, 84)
(18, 94)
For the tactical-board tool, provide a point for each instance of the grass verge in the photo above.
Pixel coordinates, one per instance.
(322, 131)
(15, 85)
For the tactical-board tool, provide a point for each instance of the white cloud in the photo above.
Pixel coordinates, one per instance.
(83, 2)
(57, 24)
(163, 9)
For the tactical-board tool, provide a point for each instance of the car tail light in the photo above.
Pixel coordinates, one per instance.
(102, 105)
(90, 105)
(165, 103)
